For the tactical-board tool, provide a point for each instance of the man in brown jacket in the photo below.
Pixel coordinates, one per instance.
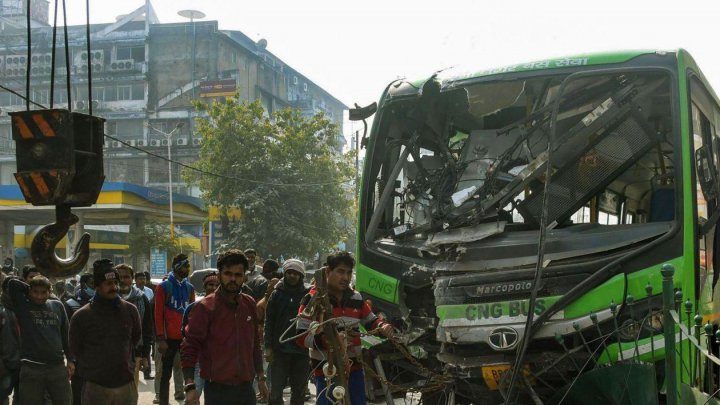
(103, 337)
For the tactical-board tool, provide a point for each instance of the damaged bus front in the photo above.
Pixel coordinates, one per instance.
(454, 194)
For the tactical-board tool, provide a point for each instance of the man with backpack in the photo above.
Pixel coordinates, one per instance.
(172, 297)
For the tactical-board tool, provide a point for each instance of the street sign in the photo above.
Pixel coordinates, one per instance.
(158, 262)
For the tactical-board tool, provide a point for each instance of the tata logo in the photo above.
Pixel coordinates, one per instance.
(504, 338)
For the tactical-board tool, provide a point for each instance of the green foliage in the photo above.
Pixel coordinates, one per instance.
(154, 235)
(282, 172)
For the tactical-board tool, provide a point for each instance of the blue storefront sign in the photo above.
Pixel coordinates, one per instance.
(158, 262)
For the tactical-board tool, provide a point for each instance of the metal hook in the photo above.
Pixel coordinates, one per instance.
(43, 246)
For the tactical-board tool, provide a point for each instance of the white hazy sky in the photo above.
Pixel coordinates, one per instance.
(354, 48)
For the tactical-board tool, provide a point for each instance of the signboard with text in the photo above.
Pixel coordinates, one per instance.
(158, 262)
(218, 88)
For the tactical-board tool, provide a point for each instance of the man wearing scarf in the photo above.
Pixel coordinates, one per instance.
(172, 297)
(103, 337)
(289, 362)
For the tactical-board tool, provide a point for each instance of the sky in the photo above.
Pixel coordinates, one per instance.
(353, 49)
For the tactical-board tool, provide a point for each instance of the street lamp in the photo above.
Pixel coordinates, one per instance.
(192, 15)
(168, 136)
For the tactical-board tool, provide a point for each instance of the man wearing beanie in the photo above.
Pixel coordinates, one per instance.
(103, 337)
(172, 298)
(288, 361)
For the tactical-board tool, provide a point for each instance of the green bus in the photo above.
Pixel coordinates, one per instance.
(614, 155)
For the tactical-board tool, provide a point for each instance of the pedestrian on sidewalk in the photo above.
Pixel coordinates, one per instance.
(72, 305)
(210, 284)
(259, 285)
(289, 362)
(9, 347)
(346, 304)
(43, 344)
(172, 298)
(135, 296)
(222, 335)
(141, 283)
(103, 337)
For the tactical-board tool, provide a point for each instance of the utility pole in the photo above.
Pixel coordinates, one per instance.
(168, 136)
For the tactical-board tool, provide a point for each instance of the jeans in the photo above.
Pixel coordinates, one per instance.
(356, 384)
(177, 374)
(167, 370)
(199, 381)
(97, 394)
(222, 394)
(292, 369)
(77, 387)
(37, 379)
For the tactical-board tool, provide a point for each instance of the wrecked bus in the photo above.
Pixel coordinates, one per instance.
(615, 155)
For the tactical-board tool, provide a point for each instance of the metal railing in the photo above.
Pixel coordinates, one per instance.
(695, 379)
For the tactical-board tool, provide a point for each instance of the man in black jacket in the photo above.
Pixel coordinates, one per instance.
(44, 344)
(103, 337)
(9, 347)
(133, 295)
(288, 361)
(258, 285)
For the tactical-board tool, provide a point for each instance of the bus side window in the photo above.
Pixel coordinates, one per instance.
(704, 114)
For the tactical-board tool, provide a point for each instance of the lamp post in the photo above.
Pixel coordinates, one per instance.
(192, 15)
(168, 136)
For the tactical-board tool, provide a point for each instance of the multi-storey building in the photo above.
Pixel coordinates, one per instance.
(145, 76)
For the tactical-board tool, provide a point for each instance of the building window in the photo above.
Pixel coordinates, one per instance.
(131, 52)
(41, 96)
(138, 91)
(98, 93)
(124, 93)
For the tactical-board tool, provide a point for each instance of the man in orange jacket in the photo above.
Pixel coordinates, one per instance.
(172, 297)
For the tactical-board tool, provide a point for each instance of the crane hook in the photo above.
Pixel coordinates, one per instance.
(43, 246)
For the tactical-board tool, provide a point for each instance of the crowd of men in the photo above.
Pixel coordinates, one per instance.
(86, 344)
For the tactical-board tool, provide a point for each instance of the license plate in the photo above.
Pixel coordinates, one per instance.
(493, 374)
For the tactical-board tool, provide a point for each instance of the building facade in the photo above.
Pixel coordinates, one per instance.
(145, 76)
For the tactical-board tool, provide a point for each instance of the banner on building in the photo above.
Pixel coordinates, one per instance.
(218, 88)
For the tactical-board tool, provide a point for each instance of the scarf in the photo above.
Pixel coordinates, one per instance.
(179, 294)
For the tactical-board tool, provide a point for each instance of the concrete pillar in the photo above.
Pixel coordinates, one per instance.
(139, 263)
(7, 239)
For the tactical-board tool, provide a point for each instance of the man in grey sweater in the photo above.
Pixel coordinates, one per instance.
(44, 344)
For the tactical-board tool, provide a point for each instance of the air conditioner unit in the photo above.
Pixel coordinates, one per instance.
(116, 144)
(79, 105)
(122, 64)
(154, 142)
(197, 141)
(164, 142)
(141, 142)
(106, 144)
(131, 142)
(181, 141)
(97, 104)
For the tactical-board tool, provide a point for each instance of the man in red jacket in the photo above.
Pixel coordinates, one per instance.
(348, 305)
(172, 297)
(222, 334)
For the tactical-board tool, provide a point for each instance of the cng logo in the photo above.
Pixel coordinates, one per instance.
(504, 338)
(381, 286)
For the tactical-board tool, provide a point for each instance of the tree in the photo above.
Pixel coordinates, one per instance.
(154, 235)
(282, 171)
